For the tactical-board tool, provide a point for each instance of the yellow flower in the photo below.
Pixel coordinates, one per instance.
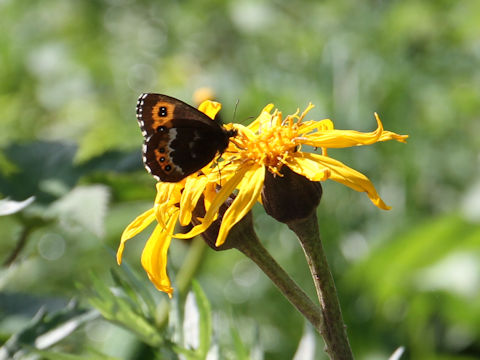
(174, 201)
(271, 142)
(267, 144)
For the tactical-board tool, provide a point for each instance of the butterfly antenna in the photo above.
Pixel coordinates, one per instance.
(217, 165)
(219, 175)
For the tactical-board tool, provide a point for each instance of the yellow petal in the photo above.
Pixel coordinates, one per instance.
(322, 125)
(343, 138)
(164, 190)
(154, 256)
(212, 210)
(136, 226)
(163, 214)
(209, 194)
(210, 108)
(310, 168)
(167, 200)
(248, 192)
(388, 135)
(264, 117)
(194, 188)
(246, 132)
(306, 111)
(347, 176)
(168, 193)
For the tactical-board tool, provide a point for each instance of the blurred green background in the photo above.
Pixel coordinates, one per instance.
(70, 75)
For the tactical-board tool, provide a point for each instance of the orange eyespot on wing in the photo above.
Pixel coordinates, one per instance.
(152, 114)
(158, 161)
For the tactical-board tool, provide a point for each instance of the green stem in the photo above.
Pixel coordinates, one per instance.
(21, 242)
(248, 243)
(191, 264)
(332, 328)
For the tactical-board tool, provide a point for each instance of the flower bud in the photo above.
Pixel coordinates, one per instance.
(210, 235)
(290, 197)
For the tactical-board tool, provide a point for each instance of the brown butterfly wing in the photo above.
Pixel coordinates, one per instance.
(155, 110)
(182, 149)
(179, 139)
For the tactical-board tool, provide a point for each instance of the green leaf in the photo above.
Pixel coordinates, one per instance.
(197, 325)
(46, 330)
(84, 205)
(91, 355)
(400, 259)
(120, 309)
(241, 350)
(9, 207)
(38, 163)
(205, 319)
(137, 289)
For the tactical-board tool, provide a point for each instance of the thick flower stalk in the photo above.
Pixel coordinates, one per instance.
(271, 142)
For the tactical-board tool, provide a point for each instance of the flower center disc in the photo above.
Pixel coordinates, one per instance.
(270, 147)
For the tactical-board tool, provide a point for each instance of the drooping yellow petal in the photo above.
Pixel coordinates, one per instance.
(165, 191)
(349, 177)
(154, 256)
(210, 108)
(219, 199)
(136, 226)
(248, 192)
(194, 188)
(209, 194)
(167, 200)
(164, 214)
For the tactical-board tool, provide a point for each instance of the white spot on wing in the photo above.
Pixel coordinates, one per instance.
(172, 136)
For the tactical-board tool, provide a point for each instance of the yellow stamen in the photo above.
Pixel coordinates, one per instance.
(269, 148)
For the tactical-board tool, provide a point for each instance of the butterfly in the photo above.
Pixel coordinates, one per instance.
(179, 139)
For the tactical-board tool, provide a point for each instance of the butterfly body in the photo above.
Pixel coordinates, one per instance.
(179, 139)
